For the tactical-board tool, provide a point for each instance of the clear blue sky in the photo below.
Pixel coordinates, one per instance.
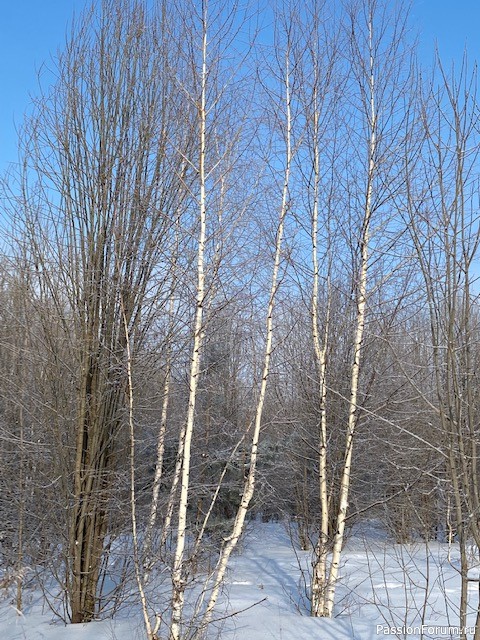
(453, 24)
(31, 30)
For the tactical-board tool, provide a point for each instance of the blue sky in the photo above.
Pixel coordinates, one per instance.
(454, 24)
(32, 30)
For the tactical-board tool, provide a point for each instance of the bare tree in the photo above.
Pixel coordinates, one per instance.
(102, 180)
(355, 108)
(443, 221)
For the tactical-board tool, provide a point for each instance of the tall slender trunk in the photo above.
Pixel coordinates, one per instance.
(133, 507)
(178, 578)
(21, 483)
(361, 300)
(249, 485)
(319, 563)
(148, 560)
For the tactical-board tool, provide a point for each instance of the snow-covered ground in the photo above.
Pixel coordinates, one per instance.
(386, 590)
(405, 591)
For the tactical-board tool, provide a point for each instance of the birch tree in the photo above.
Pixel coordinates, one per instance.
(323, 80)
(209, 83)
(178, 579)
(285, 111)
(378, 84)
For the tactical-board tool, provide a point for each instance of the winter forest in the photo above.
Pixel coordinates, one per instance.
(239, 288)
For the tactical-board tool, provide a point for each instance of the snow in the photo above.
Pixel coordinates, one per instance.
(385, 590)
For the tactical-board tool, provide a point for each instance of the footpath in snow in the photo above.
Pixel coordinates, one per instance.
(385, 590)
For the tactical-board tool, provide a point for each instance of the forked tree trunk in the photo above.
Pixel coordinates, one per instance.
(325, 593)
(89, 513)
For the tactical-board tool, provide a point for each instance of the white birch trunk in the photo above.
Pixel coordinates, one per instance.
(178, 583)
(319, 568)
(148, 560)
(147, 551)
(357, 351)
(133, 511)
(248, 489)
